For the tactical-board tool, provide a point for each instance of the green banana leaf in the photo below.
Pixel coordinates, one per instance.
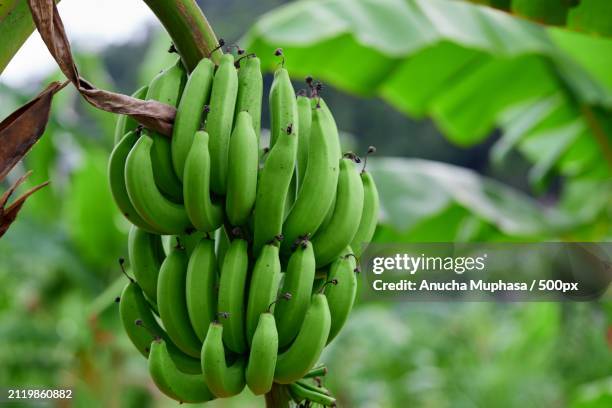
(464, 65)
(5, 8)
(16, 25)
(424, 200)
(590, 16)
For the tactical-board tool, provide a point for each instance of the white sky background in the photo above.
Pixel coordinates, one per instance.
(90, 25)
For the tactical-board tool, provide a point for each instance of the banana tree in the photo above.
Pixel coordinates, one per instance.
(413, 54)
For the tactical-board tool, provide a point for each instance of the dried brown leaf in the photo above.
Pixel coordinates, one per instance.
(152, 114)
(21, 129)
(9, 213)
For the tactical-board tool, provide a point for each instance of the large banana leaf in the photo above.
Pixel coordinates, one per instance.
(423, 200)
(591, 16)
(16, 25)
(462, 64)
(6, 7)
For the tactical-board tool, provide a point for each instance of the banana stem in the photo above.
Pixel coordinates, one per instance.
(189, 29)
(278, 397)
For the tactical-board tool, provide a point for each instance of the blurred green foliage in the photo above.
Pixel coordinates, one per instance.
(591, 16)
(59, 274)
(470, 68)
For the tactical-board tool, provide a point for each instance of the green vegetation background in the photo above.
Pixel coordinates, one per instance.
(59, 276)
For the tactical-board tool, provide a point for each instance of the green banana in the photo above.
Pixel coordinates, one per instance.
(204, 214)
(202, 287)
(220, 120)
(272, 105)
(125, 123)
(341, 296)
(301, 393)
(263, 286)
(190, 111)
(298, 282)
(306, 349)
(250, 91)
(262, 356)
(283, 106)
(146, 254)
(172, 302)
(329, 214)
(173, 382)
(222, 380)
(329, 241)
(232, 293)
(319, 103)
(272, 189)
(318, 371)
(319, 389)
(304, 110)
(250, 225)
(133, 308)
(166, 87)
(291, 194)
(318, 188)
(164, 215)
(242, 174)
(369, 216)
(116, 177)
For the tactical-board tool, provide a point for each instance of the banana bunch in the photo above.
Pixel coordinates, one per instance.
(263, 244)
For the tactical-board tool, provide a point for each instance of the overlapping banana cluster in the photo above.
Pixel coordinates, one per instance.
(260, 273)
